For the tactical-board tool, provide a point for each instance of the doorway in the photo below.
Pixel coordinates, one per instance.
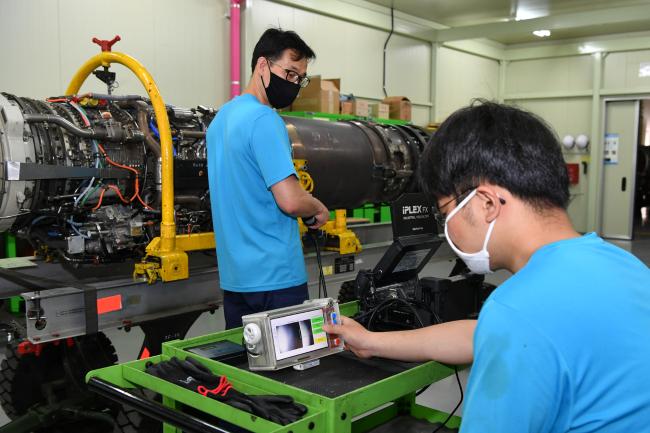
(641, 223)
(626, 169)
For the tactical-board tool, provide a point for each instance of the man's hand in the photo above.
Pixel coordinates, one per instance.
(321, 217)
(356, 337)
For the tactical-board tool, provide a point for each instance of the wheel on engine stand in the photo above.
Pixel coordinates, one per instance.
(21, 378)
(56, 374)
(346, 293)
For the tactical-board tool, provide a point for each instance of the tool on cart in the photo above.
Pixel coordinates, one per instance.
(195, 376)
(291, 336)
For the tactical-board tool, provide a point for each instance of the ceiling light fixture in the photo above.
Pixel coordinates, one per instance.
(542, 33)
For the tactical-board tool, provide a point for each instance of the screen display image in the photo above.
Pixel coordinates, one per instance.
(411, 260)
(298, 333)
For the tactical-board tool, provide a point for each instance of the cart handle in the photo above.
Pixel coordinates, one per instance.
(153, 409)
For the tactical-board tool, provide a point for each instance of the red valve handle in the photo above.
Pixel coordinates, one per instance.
(106, 44)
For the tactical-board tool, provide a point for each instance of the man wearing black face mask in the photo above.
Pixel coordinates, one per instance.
(254, 189)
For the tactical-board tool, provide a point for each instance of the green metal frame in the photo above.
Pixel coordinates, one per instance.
(10, 245)
(337, 117)
(15, 302)
(325, 415)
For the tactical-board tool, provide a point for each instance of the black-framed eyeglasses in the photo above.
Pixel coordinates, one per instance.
(293, 76)
(441, 217)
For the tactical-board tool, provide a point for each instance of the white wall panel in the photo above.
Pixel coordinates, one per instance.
(461, 78)
(568, 117)
(621, 70)
(550, 75)
(420, 115)
(30, 47)
(183, 45)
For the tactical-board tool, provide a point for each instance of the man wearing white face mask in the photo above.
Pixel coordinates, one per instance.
(479, 262)
(561, 346)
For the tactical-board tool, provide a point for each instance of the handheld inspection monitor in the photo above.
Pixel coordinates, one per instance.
(291, 336)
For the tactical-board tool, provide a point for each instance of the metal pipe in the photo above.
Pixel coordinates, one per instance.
(143, 124)
(114, 97)
(188, 200)
(192, 134)
(116, 135)
(235, 47)
(168, 225)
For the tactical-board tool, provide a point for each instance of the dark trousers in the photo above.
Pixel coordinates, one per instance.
(238, 304)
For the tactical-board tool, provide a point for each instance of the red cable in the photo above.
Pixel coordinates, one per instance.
(144, 204)
(110, 161)
(119, 193)
(136, 194)
(101, 196)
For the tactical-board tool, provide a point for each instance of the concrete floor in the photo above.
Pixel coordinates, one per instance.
(442, 395)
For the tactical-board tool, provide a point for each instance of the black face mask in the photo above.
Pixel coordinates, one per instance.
(280, 93)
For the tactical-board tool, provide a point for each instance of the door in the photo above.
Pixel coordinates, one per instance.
(619, 159)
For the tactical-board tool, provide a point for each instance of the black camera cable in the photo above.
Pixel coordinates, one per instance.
(313, 234)
(384, 305)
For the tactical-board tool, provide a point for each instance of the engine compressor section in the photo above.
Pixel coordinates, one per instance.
(81, 175)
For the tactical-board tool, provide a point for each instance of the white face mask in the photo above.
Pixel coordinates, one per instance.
(479, 262)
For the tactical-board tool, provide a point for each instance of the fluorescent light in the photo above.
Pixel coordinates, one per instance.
(644, 69)
(530, 9)
(527, 13)
(542, 33)
(589, 49)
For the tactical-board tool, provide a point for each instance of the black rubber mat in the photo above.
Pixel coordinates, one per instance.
(337, 374)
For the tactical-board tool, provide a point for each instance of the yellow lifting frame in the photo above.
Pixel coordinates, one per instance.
(169, 250)
(166, 257)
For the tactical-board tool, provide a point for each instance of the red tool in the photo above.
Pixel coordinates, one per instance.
(105, 44)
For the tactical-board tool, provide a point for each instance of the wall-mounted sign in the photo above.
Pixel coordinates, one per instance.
(611, 149)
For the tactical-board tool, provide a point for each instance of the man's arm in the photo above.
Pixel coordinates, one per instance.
(295, 201)
(272, 152)
(449, 342)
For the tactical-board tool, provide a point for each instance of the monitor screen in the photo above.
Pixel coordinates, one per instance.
(405, 258)
(298, 333)
(412, 260)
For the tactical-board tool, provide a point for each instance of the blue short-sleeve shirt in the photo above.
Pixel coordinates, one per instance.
(258, 245)
(564, 345)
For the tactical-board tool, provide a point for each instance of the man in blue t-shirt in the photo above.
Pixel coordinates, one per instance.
(564, 344)
(254, 190)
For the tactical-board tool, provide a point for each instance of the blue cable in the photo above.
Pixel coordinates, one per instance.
(40, 218)
(153, 128)
(157, 134)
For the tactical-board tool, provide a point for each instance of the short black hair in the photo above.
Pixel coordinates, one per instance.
(273, 42)
(499, 144)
